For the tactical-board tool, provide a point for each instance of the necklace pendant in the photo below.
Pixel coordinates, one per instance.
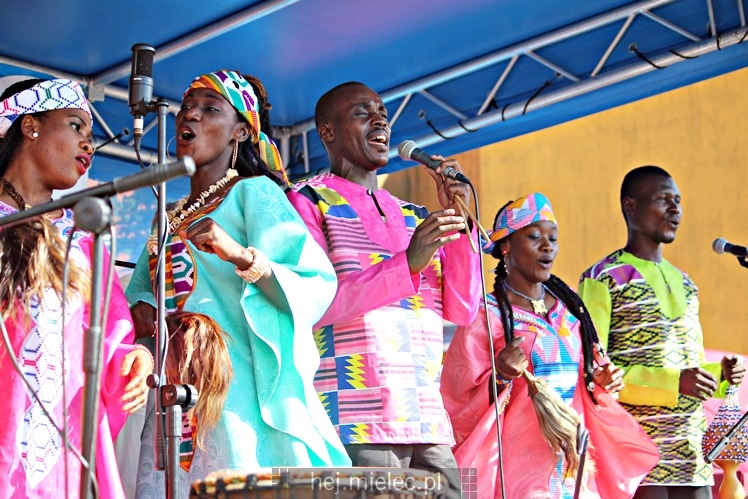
(538, 306)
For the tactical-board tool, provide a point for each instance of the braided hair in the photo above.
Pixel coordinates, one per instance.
(249, 163)
(561, 291)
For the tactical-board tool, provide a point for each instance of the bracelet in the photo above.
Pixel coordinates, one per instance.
(138, 346)
(260, 264)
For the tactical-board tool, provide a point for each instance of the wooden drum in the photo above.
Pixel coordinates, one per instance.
(320, 483)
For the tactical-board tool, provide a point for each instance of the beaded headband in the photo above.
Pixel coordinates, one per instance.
(47, 95)
(239, 92)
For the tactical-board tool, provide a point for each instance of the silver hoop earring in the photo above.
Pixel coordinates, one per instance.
(168, 144)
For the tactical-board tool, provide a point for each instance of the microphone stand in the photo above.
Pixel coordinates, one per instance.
(93, 215)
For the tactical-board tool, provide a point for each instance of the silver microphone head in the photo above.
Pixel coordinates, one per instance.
(719, 245)
(406, 148)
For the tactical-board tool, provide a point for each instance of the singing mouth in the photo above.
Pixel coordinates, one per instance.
(186, 134)
(379, 138)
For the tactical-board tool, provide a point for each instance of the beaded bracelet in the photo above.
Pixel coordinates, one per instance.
(260, 264)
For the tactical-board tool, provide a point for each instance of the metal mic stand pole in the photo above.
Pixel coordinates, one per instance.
(93, 215)
(171, 478)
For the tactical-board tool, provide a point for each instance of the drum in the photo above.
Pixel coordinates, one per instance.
(320, 483)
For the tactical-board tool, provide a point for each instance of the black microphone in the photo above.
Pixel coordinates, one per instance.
(721, 246)
(408, 150)
(124, 133)
(144, 178)
(141, 85)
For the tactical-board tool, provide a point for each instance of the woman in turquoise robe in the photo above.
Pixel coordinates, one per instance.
(240, 254)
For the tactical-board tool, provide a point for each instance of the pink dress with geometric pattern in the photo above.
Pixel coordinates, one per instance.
(31, 449)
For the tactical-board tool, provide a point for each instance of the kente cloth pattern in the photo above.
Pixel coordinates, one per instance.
(33, 456)
(521, 213)
(654, 323)
(179, 277)
(44, 96)
(272, 416)
(239, 92)
(381, 341)
(622, 457)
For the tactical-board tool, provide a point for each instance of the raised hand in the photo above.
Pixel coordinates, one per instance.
(733, 369)
(432, 235)
(447, 187)
(210, 237)
(143, 319)
(511, 361)
(610, 378)
(697, 382)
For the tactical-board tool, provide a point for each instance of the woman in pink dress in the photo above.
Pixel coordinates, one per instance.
(539, 326)
(45, 144)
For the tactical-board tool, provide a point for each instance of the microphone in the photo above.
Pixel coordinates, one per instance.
(721, 246)
(144, 178)
(141, 85)
(408, 150)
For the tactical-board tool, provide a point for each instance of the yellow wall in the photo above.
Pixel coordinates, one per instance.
(697, 133)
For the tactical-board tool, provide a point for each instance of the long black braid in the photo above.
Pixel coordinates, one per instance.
(249, 163)
(590, 340)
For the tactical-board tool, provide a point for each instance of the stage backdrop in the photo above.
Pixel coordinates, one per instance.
(697, 133)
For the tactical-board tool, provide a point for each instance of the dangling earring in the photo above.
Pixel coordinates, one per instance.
(235, 154)
(168, 144)
(35, 134)
(503, 261)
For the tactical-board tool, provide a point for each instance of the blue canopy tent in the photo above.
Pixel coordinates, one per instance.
(455, 75)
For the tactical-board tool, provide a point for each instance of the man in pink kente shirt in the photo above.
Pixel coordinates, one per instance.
(401, 271)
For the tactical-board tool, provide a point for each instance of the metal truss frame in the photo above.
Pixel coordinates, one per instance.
(596, 79)
(100, 86)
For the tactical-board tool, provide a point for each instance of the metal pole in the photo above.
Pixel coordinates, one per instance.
(93, 215)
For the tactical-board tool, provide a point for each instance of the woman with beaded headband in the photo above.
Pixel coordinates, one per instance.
(45, 144)
(242, 267)
(540, 327)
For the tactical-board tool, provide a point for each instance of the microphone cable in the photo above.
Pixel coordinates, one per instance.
(491, 351)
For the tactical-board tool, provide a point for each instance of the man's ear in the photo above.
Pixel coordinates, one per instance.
(628, 206)
(326, 133)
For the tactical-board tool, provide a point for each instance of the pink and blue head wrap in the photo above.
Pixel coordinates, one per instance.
(518, 214)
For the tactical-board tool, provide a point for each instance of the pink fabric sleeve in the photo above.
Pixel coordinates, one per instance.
(466, 373)
(364, 291)
(461, 283)
(118, 338)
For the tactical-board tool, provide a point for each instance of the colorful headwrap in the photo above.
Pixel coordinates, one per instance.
(44, 96)
(518, 214)
(241, 95)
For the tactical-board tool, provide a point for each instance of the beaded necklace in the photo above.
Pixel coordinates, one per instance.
(176, 216)
(15, 195)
